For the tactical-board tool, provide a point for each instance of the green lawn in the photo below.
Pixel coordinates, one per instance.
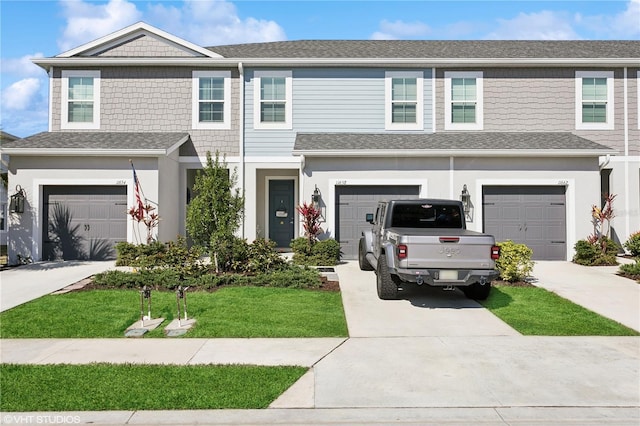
(98, 387)
(228, 312)
(536, 311)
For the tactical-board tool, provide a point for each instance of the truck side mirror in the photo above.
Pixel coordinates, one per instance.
(370, 218)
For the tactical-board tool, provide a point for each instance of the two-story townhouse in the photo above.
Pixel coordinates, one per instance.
(529, 133)
(139, 97)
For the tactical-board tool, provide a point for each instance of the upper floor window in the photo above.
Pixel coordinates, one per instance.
(404, 100)
(211, 100)
(80, 100)
(273, 100)
(594, 100)
(463, 100)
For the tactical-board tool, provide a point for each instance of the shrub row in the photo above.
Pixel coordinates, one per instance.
(315, 253)
(596, 252)
(169, 279)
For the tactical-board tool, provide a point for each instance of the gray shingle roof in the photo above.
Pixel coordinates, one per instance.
(480, 141)
(437, 49)
(97, 141)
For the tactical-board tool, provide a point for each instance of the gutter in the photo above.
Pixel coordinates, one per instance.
(241, 135)
(448, 153)
(41, 152)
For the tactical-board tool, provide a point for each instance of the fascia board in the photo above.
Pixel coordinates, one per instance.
(455, 153)
(332, 62)
(58, 152)
(132, 31)
(176, 145)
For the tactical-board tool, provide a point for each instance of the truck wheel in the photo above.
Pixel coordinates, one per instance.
(476, 291)
(387, 289)
(362, 259)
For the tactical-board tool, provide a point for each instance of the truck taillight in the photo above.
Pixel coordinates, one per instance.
(402, 251)
(495, 252)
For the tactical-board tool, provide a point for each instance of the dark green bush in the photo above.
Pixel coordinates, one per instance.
(515, 262)
(631, 268)
(633, 244)
(597, 253)
(290, 277)
(155, 278)
(129, 254)
(318, 253)
(263, 257)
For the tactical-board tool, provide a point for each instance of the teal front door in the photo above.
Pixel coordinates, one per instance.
(281, 212)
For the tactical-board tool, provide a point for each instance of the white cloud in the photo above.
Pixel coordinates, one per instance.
(400, 30)
(87, 22)
(22, 67)
(20, 94)
(213, 22)
(545, 25)
(624, 25)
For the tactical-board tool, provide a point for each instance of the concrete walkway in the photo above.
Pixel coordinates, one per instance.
(432, 357)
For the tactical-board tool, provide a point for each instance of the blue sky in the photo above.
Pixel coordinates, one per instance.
(31, 29)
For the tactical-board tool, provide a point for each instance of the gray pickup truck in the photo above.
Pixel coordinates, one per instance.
(425, 241)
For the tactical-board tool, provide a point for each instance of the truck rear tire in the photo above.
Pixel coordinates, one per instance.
(387, 289)
(476, 291)
(362, 257)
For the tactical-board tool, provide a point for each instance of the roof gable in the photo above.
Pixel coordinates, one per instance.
(139, 40)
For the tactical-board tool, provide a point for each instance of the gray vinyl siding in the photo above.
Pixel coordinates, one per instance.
(327, 100)
(158, 99)
(538, 100)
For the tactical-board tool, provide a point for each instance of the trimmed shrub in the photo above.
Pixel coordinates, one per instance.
(631, 268)
(263, 257)
(633, 244)
(599, 252)
(290, 277)
(129, 254)
(515, 262)
(167, 279)
(319, 253)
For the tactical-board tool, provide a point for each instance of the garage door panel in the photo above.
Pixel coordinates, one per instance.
(96, 221)
(353, 203)
(531, 215)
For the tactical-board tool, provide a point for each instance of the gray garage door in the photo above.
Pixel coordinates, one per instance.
(83, 222)
(532, 215)
(352, 205)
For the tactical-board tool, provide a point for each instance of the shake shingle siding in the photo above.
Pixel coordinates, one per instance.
(154, 99)
(145, 46)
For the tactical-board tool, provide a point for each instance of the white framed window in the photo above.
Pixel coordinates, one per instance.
(463, 100)
(404, 100)
(272, 100)
(594, 100)
(80, 100)
(211, 99)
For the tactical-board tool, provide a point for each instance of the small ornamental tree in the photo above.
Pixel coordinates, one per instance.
(310, 221)
(216, 210)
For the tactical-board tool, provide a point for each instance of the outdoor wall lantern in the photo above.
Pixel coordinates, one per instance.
(465, 197)
(315, 198)
(17, 200)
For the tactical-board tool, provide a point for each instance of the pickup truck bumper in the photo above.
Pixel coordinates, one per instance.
(446, 277)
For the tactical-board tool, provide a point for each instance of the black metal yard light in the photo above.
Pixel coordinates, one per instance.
(315, 197)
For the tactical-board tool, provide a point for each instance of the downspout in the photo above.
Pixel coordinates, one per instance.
(50, 99)
(627, 178)
(241, 136)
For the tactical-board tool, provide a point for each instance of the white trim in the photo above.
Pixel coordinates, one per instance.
(38, 200)
(288, 110)
(64, 111)
(388, 100)
(70, 152)
(570, 202)
(296, 221)
(275, 161)
(433, 100)
(195, 100)
(610, 123)
(50, 114)
(479, 124)
(638, 97)
(458, 153)
(381, 181)
(130, 32)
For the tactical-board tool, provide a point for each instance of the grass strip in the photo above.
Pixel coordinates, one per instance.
(97, 387)
(228, 312)
(534, 311)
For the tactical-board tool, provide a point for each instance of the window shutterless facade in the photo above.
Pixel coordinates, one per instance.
(594, 100)
(273, 100)
(80, 100)
(211, 100)
(404, 96)
(463, 100)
